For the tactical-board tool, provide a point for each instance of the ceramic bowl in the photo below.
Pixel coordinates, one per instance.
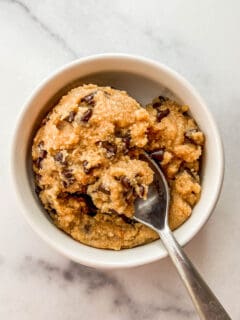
(143, 79)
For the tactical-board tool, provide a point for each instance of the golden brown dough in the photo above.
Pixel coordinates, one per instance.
(87, 170)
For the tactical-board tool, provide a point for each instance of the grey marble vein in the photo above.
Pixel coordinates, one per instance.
(95, 282)
(55, 36)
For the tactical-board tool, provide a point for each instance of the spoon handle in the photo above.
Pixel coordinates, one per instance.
(205, 302)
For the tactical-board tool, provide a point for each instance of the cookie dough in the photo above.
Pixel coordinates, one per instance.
(87, 168)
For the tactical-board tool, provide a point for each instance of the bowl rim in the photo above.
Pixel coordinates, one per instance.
(141, 59)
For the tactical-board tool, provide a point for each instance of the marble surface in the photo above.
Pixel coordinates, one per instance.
(197, 38)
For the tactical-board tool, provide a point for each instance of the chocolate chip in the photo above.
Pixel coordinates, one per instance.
(85, 169)
(110, 147)
(141, 191)
(52, 211)
(118, 132)
(41, 144)
(67, 173)
(58, 157)
(38, 190)
(42, 154)
(112, 211)
(63, 195)
(107, 94)
(190, 172)
(37, 177)
(89, 98)
(158, 155)
(125, 182)
(162, 114)
(44, 121)
(87, 227)
(103, 189)
(65, 184)
(126, 219)
(162, 98)
(128, 194)
(87, 115)
(76, 195)
(91, 213)
(189, 133)
(92, 210)
(70, 117)
(38, 163)
(156, 105)
(127, 141)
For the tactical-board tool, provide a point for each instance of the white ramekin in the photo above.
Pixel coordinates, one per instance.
(143, 79)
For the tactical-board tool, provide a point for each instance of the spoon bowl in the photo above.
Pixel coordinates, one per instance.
(153, 211)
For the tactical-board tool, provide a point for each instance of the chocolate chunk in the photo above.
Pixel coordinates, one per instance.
(110, 147)
(89, 99)
(87, 115)
(70, 117)
(58, 157)
(141, 191)
(158, 155)
(125, 182)
(103, 189)
(162, 114)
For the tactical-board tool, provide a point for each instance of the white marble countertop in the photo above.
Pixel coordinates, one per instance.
(200, 39)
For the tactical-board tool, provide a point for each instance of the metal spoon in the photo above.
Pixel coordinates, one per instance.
(153, 212)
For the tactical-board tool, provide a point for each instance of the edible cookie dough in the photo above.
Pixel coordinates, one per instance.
(87, 168)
